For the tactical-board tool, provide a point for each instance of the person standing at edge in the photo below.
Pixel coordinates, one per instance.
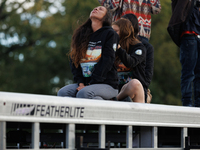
(92, 58)
(184, 29)
(141, 8)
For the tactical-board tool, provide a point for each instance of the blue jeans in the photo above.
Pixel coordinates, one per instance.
(94, 91)
(190, 73)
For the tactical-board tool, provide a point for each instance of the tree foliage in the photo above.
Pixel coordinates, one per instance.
(34, 59)
(165, 85)
(35, 41)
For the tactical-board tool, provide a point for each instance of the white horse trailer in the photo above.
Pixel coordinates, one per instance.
(29, 121)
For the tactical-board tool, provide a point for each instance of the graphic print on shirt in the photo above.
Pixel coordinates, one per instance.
(93, 55)
(124, 74)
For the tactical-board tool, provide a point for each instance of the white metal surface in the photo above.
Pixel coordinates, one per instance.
(70, 136)
(184, 133)
(102, 136)
(2, 135)
(129, 136)
(155, 137)
(35, 135)
(72, 110)
(36, 109)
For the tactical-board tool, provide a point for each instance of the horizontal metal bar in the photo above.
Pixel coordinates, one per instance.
(95, 122)
(115, 149)
(42, 149)
(146, 148)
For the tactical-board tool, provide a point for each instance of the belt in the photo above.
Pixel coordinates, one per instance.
(187, 35)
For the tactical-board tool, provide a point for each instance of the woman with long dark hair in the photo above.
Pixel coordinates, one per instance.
(92, 58)
(130, 61)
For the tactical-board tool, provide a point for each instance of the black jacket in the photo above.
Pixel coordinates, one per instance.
(181, 9)
(193, 22)
(104, 72)
(149, 61)
(136, 62)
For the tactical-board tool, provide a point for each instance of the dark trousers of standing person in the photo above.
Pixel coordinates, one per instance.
(190, 74)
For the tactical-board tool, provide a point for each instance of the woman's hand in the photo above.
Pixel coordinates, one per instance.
(119, 46)
(81, 85)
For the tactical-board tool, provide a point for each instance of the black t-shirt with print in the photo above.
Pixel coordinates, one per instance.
(98, 66)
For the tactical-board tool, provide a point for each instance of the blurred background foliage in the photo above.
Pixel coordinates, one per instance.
(35, 38)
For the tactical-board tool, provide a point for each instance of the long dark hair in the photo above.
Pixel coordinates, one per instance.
(81, 37)
(126, 35)
(133, 19)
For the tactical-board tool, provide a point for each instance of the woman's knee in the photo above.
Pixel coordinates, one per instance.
(84, 93)
(68, 91)
(61, 92)
(135, 84)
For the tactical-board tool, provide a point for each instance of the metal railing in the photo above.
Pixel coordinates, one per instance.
(145, 126)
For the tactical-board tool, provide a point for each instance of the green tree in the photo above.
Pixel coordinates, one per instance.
(37, 61)
(165, 85)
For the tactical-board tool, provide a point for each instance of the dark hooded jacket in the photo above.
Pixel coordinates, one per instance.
(104, 40)
(181, 10)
